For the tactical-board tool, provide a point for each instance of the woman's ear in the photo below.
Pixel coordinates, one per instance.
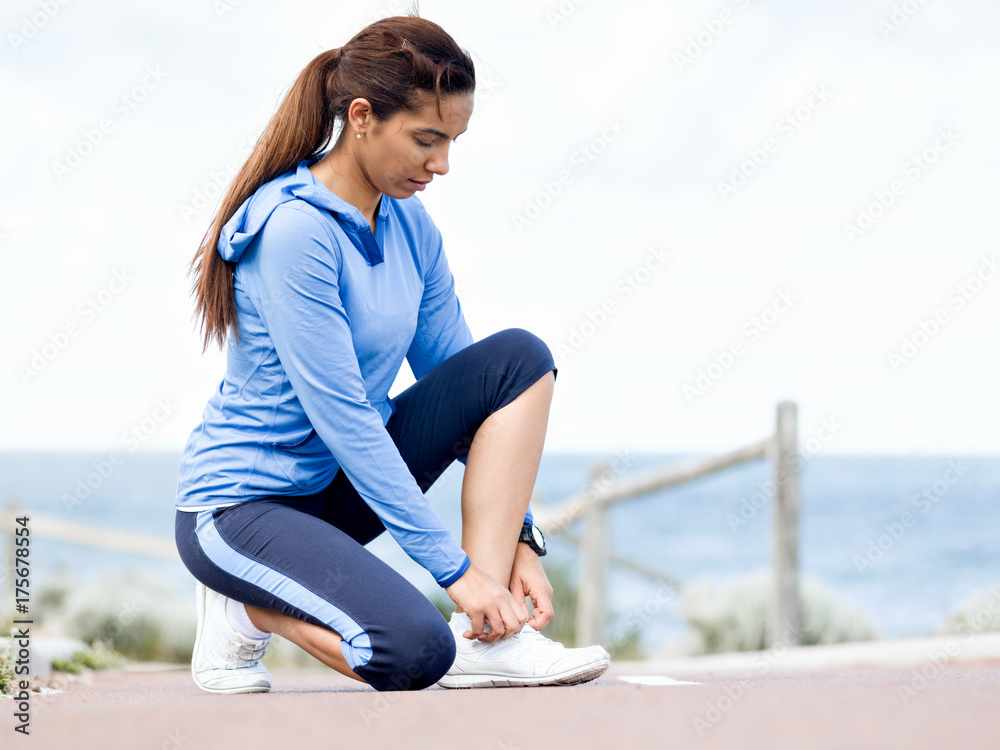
(359, 116)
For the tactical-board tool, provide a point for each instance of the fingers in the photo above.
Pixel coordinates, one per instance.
(513, 619)
(522, 610)
(544, 611)
(494, 611)
(517, 590)
(505, 620)
(481, 598)
(478, 620)
(517, 596)
(490, 633)
(483, 629)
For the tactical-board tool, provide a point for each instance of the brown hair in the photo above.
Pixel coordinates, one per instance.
(391, 63)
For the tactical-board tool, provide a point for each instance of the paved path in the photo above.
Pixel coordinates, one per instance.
(860, 708)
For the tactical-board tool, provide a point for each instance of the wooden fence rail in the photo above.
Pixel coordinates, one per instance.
(67, 531)
(593, 504)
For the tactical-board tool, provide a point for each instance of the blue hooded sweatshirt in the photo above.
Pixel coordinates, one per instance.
(327, 312)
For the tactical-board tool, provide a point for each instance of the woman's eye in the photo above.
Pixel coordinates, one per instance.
(425, 144)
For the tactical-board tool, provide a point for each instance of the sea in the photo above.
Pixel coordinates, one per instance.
(905, 540)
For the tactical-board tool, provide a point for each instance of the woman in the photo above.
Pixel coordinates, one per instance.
(323, 271)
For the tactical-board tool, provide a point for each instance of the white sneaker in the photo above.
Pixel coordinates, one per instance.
(526, 658)
(225, 661)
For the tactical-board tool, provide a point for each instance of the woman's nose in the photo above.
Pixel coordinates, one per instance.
(438, 163)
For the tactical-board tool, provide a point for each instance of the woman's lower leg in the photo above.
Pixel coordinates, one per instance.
(319, 642)
(500, 475)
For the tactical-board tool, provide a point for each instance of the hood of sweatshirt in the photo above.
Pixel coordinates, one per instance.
(298, 184)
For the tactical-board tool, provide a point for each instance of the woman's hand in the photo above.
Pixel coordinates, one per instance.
(527, 578)
(486, 601)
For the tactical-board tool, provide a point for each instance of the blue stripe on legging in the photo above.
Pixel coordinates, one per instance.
(355, 644)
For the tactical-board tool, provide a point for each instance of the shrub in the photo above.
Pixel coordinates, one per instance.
(737, 618)
(136, 619)
(977, 614)
(6, 670)
(97, 658)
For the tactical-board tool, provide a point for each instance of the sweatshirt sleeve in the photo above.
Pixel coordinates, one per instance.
(441, 327)
(298, 269)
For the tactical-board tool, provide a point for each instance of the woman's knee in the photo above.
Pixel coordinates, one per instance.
(417, 658)
(518, 348)
(523, 342)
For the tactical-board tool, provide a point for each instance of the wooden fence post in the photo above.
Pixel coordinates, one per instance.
(786, 615)
(590, 604)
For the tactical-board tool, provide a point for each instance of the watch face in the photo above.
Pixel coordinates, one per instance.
(536, 534)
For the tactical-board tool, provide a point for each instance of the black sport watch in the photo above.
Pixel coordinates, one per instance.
(533, 537)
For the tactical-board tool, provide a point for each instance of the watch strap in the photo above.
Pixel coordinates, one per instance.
(528, 537)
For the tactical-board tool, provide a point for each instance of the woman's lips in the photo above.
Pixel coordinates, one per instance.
(420, 185)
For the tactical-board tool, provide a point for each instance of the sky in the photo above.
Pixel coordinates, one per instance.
(703, 208)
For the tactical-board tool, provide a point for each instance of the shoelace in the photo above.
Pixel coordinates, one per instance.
(249, 653)
(529, 633)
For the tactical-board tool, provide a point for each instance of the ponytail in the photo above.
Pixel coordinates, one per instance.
(300, 128)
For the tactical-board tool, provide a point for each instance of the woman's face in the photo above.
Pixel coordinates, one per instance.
(402, 154)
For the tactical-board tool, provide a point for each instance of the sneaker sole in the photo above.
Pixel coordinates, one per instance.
(236, 690)
(571, 677)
